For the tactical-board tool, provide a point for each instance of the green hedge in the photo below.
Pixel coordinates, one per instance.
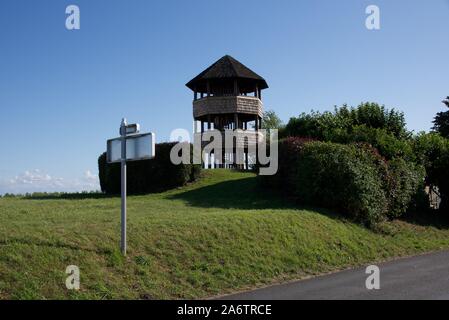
(288, 154)
(341, 177)
(353, 179)
(147, 176)
(441, 169)
(386, 143)
(369, 123)
(329, 126)
(406, 188)
(432, 151)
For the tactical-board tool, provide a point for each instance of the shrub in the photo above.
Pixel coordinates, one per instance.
(432, 151)
(441, 178)
(429, 148)
(288, 155)
(375, 116)
(388, 145)
(354, 179)
(441, 121)
(271, 120)
(384, 129)
(341, 177)
(314, 125)
(334, 126)
(147, 176)
(102, 164)
(405, 187)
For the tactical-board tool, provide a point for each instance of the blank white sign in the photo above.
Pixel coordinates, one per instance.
(138, 147)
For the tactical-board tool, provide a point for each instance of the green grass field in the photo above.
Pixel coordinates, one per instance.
(217, 236)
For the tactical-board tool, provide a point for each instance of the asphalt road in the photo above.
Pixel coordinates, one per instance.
(420, 277)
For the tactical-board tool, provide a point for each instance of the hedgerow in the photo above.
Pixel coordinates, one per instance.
(147, 176)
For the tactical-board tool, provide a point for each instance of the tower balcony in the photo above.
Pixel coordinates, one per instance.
(215, 105)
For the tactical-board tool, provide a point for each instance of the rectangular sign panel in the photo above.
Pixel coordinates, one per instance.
(138, 147)
(131, 128)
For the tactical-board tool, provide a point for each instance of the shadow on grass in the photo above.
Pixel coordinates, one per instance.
(236, 194)
(432, 218)
(247, 194)
(243, 194)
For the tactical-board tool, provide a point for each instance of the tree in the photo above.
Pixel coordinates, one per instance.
(270, 120)
(441, 121)
(334, 126)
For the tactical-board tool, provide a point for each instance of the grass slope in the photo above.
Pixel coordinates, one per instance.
(216, 236)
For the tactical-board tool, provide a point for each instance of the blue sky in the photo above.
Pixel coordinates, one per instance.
(63, 93)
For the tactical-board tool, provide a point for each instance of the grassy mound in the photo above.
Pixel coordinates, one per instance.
(216, 236)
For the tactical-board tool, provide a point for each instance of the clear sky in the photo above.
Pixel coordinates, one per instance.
(63, 93)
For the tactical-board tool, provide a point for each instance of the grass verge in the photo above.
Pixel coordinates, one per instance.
(217, 236)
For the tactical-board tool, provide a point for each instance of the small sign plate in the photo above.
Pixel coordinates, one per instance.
(138, 147)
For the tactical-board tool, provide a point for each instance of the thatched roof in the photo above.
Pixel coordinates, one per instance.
(227, 68)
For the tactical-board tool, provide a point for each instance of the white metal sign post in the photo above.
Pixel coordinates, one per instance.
(130, 146)
(123, 186)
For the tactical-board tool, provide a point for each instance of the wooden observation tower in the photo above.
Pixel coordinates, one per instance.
(228, 96)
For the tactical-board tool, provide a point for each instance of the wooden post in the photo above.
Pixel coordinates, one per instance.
(236, 88)
(257, 135)
(236, 126)
(202, 131)
(208, 88)
(223, 153)
(209, 156)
